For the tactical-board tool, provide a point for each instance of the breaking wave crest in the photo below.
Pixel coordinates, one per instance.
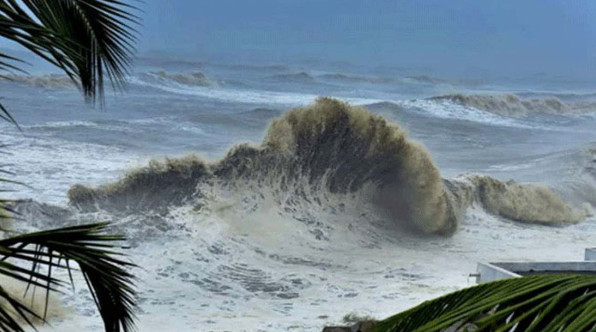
(328, 147)
(525, 203)
(326, 153)
(50, 81)
(301, 77)
(195, 78)
(304, 77)
(61, 82)
(355, 78)
(514, 106)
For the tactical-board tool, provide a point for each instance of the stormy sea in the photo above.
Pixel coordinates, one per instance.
(274, 197)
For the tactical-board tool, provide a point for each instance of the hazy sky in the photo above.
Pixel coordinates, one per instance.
(503, 36)
(557, 36)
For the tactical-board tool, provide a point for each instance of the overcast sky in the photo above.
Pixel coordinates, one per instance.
(503, 36)
(557, 36)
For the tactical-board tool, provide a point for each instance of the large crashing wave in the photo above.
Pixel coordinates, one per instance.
(514, 106)
(330, 149)
(525, 203)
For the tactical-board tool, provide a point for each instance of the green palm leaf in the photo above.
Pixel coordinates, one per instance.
(105, 273)
(542, 303)
(85, 38)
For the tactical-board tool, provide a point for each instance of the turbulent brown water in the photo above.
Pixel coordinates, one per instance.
(330, 210)
(526, 203)
(331, 149)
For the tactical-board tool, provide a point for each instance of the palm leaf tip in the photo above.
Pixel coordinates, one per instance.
(85, 38)
(107, 275)
(32, 308)
(560, 302)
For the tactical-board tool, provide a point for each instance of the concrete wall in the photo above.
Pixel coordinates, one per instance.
(495, 271)
(487, 272)
(590, 254)
(545, 267)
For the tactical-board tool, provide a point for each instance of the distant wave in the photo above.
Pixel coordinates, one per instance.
(452, 81)
(49, 81)
(259, 68)
(161, 62)
(188, 78)
(231, 95)
(513, 106)
(304, 77)
(73, 123)
(424, 79)
(262, 113)
(327, 156)
(247, 96)
(354, 78)
(301, 77)
(566, 96)
(449, 110)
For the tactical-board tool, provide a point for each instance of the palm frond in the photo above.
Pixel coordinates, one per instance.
(8, 65)
(106, 274)
(6, 212)
(15, 308)
(541, 303)
(85, 38)
(5, 115)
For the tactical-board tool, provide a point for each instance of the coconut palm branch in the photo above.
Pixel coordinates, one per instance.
(84, 38)
(88, 40)
(542, 303)
(99, 263)
(6, 212)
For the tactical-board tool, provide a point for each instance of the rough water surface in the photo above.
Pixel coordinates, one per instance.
(364, 207)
